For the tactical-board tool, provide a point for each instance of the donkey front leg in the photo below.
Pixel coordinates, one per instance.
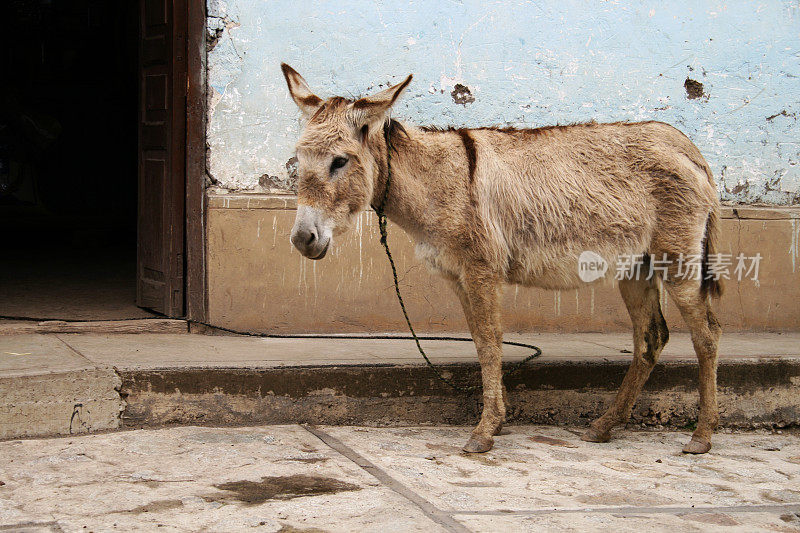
(479, 295)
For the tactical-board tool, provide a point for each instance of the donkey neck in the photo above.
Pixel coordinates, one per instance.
(429, 179)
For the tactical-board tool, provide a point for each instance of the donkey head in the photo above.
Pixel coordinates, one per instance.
(336, 169)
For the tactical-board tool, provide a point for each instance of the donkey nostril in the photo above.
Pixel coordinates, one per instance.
(312, 236)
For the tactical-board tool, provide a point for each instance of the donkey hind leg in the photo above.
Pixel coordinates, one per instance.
(650, 334)
(705, 330)
(480, 300)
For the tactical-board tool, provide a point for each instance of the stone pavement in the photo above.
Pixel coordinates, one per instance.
(311, 479)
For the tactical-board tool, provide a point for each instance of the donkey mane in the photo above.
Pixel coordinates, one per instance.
(539, 130)
(334, 104)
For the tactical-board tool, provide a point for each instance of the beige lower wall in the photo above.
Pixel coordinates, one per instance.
(258, 282)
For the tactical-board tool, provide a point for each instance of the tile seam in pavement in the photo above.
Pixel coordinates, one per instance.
(615, 348)
(443, 518)
(13, 527)
(73, 350)
(769, 508)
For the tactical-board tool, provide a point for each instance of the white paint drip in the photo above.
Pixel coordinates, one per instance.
(359, 230)
(314, 270)
(793, 247)
(301, 275)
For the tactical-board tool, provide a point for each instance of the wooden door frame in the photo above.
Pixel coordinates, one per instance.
(195, 242)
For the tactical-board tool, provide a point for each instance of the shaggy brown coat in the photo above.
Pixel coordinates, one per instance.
(489, 206)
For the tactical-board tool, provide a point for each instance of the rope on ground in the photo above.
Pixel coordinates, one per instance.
(416, 338)
(334, 336)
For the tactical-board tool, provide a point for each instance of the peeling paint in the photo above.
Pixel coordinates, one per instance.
(694, 89)
(794, 251)
(462, 95)
(281, 182)
(783, 113)
(724, 74)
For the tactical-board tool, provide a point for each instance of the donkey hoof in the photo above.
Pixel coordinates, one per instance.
(499, 431)
(697, 445)
(594, 435)
(477, 444)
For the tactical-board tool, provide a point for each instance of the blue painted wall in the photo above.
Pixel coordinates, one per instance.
(524, 64)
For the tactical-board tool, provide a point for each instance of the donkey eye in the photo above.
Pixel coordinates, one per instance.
(337, 163)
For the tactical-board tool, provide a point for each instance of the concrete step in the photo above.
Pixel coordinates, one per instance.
(200, 379)
(47, 388)
(138, 325)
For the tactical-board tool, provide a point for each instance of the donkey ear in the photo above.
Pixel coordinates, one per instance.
(307, 101)
(372, 108)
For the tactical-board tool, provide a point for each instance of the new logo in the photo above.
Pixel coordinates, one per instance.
(591, 266)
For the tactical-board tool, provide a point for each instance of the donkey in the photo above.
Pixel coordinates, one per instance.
(490, 206)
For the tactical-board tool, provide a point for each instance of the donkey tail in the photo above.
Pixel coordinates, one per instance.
(710, 284)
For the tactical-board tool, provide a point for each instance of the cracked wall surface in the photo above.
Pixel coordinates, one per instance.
(725, 73)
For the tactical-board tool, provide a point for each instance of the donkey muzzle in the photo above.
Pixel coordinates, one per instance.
(310, 236)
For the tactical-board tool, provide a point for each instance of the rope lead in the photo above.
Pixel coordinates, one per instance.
(382, 227)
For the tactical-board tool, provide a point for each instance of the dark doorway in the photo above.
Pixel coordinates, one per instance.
(69, 108)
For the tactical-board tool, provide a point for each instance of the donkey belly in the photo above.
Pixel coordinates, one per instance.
(575, 265)
(545, 248)
(555, 265)
(556, 273)
(560, 278)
